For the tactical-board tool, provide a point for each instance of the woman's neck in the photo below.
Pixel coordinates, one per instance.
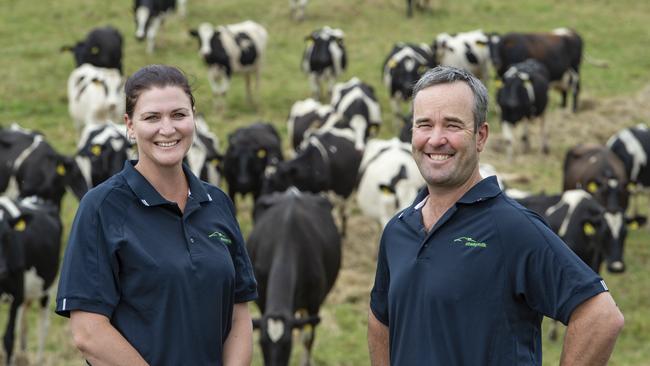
(169, 182)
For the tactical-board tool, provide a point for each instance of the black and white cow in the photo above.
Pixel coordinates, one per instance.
(250, 150)
(102, 47)
(295, 250)
(29, 166)
(324, 60)
(560, 51)
(204, 157)
(95, 95)
(419, 4)
(355, 101)
(298, 9)
(32, 263)
(467, 50)
(523, 95)
(233, 48)
(403, 67)
(389, 179)
(305, 118)
(150, 15)
(101, 152)
(600, 172)
(632, 146)
(582, 223)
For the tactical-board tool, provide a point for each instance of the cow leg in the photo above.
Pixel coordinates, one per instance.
(576, 91)
(219, 84)
(397, 120)
(307, 336)
(314, 85)
(182, 7)
(524, 136)
(506, 131)
(10, 330)
(151, 33)
(552, 334)
(22, 331)
(359, 126)
(542, 125)
(43, 328)
(249, 97)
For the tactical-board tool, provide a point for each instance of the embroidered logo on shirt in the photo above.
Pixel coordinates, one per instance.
(221, 236)
(469, 242)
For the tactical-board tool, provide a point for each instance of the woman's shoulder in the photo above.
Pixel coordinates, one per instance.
(114, 189)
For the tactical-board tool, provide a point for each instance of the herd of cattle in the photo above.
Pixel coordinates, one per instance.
(295, 245)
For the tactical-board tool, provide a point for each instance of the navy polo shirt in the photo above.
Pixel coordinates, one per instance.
(166, 280)
(474, 289)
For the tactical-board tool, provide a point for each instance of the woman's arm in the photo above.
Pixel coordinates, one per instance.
(238, 349)
(100, 343)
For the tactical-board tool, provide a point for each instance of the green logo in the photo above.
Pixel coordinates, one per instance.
(469, 242)
(223, 237)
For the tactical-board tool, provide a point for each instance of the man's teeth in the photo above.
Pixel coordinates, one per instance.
(167, 144)
(439, 156)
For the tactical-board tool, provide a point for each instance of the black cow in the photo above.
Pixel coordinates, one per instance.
(403, 67)
(632, 146)
(228, 49)
(149, 16)
(102, 47)
(295, 250)
(250, 150)
(523, 95)
(355, 101)
(560, 51)
(597, 170)
(31, 260)
(101, 152)
(324, 59)
(305, 118)
(29, 166)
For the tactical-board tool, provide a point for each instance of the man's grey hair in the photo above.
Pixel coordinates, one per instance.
(447, 75)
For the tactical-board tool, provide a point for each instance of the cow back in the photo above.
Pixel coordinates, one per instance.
(632, 146)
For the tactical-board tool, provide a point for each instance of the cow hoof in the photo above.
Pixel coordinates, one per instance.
(616, 267)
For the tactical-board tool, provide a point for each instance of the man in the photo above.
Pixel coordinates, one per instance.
(465, 275)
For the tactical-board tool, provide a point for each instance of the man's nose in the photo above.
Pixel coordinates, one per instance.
(438, 136)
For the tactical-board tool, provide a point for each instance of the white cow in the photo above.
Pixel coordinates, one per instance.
(469, 51)
(228, 49)
(95, 95)
(389, 181)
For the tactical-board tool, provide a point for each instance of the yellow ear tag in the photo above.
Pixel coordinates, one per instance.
(589, 229)
(94, 50)
(386, 190)
(96, 150)
(391, 64)
(20, 225)
(498, 83)
(373, 130)
(592, 187)
(215, 162)
(261, 153)
(631, 186)
(633, 225)
(60, 169)
(528, 83)
(310, 42)
(307, 328)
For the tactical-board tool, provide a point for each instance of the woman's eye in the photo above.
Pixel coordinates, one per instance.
(179, 115)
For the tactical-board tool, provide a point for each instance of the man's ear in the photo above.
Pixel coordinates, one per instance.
(482, 136)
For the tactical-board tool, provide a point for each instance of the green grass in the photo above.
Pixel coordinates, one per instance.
(33, 77)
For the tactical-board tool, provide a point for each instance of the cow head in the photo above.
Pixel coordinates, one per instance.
(12, 223)
(276, 335)
(103, 153)
(249, 152)
(325, 48)
(515, 97)
(309, 171)
(143, 18)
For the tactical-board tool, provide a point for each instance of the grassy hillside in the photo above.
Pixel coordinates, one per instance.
(33, 78)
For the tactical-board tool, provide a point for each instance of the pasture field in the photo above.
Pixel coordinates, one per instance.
(33, 77)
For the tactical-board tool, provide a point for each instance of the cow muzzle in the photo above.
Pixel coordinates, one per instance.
(616, 267)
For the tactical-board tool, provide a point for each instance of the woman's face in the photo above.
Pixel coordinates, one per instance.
(163, 126)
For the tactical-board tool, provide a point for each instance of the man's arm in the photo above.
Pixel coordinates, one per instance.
(592, 331)
(377, 341)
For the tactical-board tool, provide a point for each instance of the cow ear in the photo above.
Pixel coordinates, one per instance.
(21, 222)
(383, 188)
(194, 33)
(635, 222)
(589, 229)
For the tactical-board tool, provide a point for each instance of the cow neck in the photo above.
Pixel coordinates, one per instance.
(322, 150)
(283, 280)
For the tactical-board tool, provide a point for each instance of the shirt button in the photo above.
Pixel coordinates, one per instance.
(192, 240)
(426, 245)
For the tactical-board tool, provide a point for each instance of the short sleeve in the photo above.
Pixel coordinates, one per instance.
(245, 283)
(379, 292)
(550, 277)
(88, 280)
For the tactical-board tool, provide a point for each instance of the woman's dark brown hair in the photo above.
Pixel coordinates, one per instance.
(152, 76)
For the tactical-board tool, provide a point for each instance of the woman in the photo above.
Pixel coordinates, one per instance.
(155, 271)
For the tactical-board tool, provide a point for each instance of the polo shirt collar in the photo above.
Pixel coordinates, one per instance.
(484, 190)
(148, 195)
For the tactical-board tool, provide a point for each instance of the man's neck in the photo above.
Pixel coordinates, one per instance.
(441, 199)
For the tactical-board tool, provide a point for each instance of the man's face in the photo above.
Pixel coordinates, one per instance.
(444, 144)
